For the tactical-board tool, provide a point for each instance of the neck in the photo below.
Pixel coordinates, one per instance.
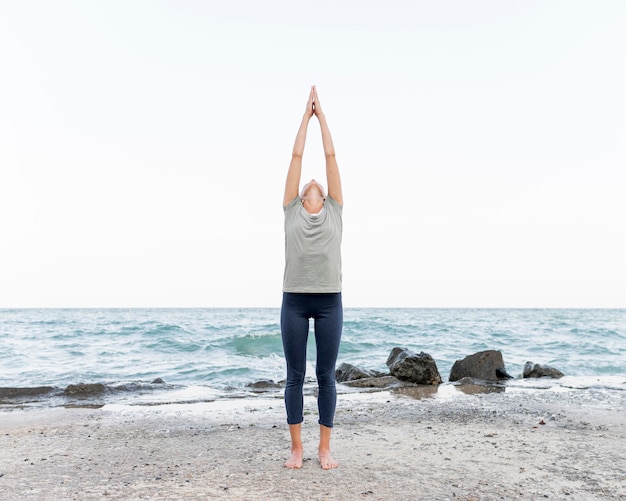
(313, 206)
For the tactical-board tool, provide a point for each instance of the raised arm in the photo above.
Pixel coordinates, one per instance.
(333, 180)
(295, 167)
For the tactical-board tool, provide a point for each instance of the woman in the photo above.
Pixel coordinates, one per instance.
(312, 286)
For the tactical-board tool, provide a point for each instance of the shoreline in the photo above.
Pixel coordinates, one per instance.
(407, 444)
(98, 395)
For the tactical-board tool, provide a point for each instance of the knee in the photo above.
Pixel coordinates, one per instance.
(326, 379)
(295, 378)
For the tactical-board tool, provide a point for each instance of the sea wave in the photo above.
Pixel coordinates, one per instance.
(230, 348)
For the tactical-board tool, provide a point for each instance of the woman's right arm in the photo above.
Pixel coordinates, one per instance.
(295, 167)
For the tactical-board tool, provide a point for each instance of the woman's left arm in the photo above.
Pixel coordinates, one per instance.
(333, 179)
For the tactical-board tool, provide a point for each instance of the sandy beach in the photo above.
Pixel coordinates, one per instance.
(457, 442)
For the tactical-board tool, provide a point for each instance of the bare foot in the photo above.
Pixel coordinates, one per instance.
(326, 460)
(295, 461)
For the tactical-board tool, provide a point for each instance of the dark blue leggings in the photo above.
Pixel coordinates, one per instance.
(327, 312)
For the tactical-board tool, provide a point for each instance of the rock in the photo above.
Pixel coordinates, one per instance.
(24, 392)
(501, 373)
(375, 382)
(540, 370)
(487, 365)
(83, 389)
(264, 384)
(407, 366)
(158, 381)
(348, 372)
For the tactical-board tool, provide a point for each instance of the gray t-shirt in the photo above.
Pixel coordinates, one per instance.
(313, 248)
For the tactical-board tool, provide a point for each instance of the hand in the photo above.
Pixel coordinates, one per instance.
(317, 107)
(310, 105)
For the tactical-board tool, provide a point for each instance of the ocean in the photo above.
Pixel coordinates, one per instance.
(199, 355)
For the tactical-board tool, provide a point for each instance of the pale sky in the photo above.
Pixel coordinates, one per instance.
(144, 147)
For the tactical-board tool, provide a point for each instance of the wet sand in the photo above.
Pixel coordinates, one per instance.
(455, 443)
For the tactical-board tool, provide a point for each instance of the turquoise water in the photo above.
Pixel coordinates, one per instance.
(224, 350)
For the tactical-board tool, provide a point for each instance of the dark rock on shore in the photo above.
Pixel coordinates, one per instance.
(532, 370)
(416, 368)
(376, 382)
(501, 373)
(487, 365)
(264, 384)
(84, 390)
(348, 372)
(11, 393)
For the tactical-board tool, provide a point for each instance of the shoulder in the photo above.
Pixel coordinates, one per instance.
(332, 203)
(294, 203)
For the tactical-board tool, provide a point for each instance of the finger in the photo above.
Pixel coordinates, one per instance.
(309, 103)
(317, 99)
